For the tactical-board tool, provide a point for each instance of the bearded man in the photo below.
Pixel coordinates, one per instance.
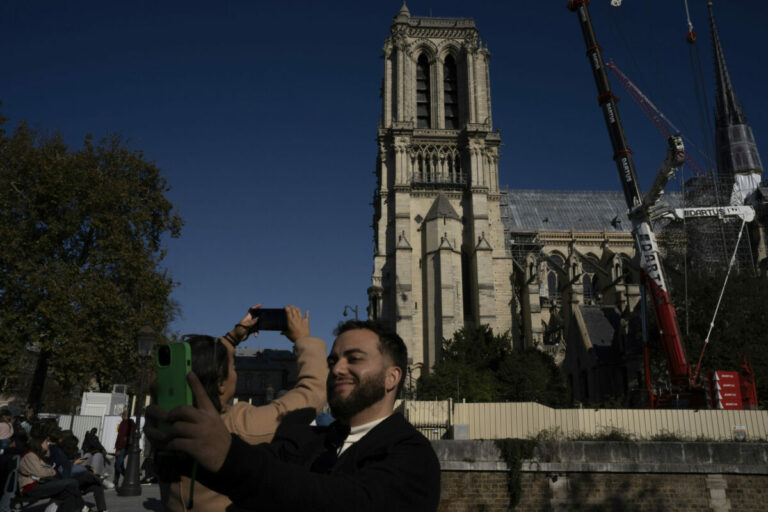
(370, 459)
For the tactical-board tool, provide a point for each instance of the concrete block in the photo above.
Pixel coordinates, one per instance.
(725, 453)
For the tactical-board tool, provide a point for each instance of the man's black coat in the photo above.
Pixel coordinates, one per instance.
(392, 468)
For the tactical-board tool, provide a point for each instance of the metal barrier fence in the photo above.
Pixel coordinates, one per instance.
(433, 419)
(529, 419)
(79, 425)
(106, 427)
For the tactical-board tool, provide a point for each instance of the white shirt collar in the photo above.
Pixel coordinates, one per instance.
(358, 432)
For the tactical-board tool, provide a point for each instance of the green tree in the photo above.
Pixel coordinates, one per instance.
(80, 260)
(468, 366)
(480, 366)
(531, 375)
(741, 325)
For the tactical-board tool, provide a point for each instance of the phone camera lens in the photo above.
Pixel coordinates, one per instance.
(164, 355)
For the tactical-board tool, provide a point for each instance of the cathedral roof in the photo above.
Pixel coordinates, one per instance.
(564, 210)
(441, 208)
(603, 327)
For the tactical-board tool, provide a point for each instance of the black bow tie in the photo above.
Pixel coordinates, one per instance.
(337, 433)
(334, 439)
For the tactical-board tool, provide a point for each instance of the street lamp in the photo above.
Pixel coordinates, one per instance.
(411, 391)
(131, 484)
(353, 309)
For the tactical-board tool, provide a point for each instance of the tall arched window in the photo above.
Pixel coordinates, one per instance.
(627, 273)
(588, 281)
(553, 282)
(451, 94)
(423, 106)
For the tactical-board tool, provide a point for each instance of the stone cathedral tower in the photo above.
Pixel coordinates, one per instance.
(439, 259)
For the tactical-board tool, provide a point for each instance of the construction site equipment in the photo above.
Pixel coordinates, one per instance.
(684, 391)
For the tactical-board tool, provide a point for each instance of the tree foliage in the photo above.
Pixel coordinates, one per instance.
(480, 366)
(741, 325)
(80, 270)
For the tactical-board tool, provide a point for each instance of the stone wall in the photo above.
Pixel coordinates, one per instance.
(596, 476)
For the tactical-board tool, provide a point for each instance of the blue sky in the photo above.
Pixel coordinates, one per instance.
(263, 118)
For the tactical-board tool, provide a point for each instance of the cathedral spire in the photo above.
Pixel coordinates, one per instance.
(736, 150)
(404, 13)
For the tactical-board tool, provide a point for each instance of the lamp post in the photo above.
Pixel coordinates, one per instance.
(353, 309)
(411, 392)
(410, 378)
(131, 484)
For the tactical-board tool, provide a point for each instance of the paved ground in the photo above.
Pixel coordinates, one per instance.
(149, 500)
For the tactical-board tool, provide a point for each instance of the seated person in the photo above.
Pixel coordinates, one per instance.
(6, 429)
(63, 457)
(37, 480)
(94, 455)
(17, 447)
(148, 472)
(370, 459)
(213, 362)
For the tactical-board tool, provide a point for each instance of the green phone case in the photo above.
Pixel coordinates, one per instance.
(172, 387)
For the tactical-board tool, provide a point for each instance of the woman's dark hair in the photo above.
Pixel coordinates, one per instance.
(36, 446)
(68, 444)
(210, 362)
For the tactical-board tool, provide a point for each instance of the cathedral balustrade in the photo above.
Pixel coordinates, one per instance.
(436, 164)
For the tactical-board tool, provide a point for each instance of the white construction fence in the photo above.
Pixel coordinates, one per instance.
(437, 419)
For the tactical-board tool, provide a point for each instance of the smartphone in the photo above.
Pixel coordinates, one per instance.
(174, 362)
(271, 319)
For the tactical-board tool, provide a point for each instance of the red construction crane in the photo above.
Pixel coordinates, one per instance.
(663, 124)
(685, 393)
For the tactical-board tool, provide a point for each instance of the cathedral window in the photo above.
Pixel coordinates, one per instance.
(553, 282)
(466, 286)
(451, 94)
(626, 271)
(423, 104)
(589, 282)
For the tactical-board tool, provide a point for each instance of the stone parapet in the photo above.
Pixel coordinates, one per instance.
(612, 457)
(598, 475)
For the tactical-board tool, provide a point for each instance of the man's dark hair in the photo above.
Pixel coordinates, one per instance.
(210, 362)
(390, 344)
(47, 428)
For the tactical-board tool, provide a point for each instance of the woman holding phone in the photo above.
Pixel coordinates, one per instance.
(213, 361)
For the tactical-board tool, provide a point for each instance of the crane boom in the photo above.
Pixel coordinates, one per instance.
(679, 369)
(745, 213)
(663, 124)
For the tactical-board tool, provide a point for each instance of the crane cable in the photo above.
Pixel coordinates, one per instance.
(620, 36)
(660, 76)
(698, 80)
(704, 114)
(720, 298)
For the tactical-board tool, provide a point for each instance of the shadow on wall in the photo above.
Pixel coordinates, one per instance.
(623, 492)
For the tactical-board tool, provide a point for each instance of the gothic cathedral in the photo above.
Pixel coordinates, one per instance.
(555, 269)
(439, 241)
